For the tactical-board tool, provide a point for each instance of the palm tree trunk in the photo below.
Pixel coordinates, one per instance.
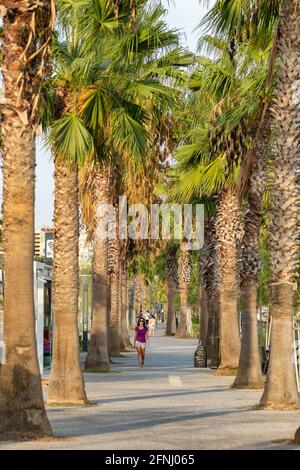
(183, 292)
(249, 372)
(98, 356)
(171, 322)
(211, 282)
(108, 311)
(203, 321)
(228, 231)
(203, 312)
(66, 382)
(280, 389)
(113, 247)
(21, 399)
(125, 341)
(131, 295)
(184, 276)
(22, 410)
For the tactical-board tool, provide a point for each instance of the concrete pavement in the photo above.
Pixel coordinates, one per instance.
(166, 405)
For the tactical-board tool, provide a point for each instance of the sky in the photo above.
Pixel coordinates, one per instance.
(184, 15)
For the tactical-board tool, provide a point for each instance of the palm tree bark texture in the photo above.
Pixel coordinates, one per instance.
(184, 277)
(249, 372)
(113, 253)
(171, 272)
(211, 283)
(280, 389)
(229, 233)
(66, 383)
(125, 341)
(203, 313)
(22, 409)
(98, 355)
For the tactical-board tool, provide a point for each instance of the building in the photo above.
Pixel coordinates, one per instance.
(37, 244)
(85, 247)
(44, 244)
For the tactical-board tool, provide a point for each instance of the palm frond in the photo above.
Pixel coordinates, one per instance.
(70, 138)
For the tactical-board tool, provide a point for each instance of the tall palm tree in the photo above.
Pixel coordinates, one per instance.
(184, 278)
(27, 29)
(116, 112)
(66, 382)
(249, 372)
(208, 165)
(280, 389)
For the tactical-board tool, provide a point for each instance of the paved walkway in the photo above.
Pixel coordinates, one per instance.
(166, 405)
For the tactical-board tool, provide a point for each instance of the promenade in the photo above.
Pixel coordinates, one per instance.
(166, 405)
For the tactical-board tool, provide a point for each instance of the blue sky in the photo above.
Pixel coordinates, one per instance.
(183, 14)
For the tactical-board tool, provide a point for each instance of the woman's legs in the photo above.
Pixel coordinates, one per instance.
(143, 350)
(140, 357)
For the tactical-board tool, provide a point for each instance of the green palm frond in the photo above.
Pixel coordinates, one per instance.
(212, 46)
(94, 107)
(70, 138)
(127, 134)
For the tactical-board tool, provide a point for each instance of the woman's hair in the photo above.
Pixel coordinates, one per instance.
(141, 320)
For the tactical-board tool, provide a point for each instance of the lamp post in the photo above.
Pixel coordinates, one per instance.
(84, 311)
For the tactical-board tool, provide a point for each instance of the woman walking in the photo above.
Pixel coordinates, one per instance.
(140, 340)
(152, 325)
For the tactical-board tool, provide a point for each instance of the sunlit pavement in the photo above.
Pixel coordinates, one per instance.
(166, 405)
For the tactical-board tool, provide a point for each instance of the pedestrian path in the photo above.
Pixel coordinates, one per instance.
(166, 405)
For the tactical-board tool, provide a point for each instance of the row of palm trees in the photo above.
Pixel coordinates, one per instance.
(97, 81)
(240, 144)
(107, 99)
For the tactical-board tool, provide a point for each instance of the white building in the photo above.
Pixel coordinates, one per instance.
(44, 244)
(85, 248)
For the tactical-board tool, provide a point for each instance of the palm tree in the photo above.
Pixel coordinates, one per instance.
(77, 133)
(116, 111)
(203, 312)
(208, 165)
(254, 36)
(171, 276)
(66, 382)
(98, 351)
(249, 372)
(113, 263)
(211, 282)
(184, 278)
(280, 389)
(125, 341)
(25, 66)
